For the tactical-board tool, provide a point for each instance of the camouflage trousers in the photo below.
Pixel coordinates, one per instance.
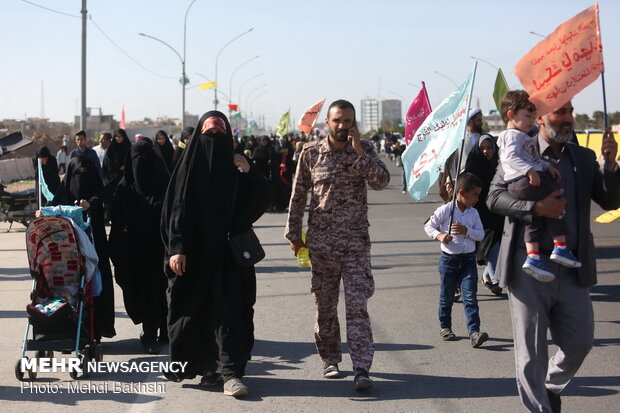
(354, 270)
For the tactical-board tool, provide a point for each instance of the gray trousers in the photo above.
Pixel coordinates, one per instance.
(564, 308)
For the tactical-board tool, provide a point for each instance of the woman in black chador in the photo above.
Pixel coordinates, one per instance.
(50, 172)
(482, 161)
(135, 244)
(211, 297)
(113, 166)
(82, 186)
(164, 149)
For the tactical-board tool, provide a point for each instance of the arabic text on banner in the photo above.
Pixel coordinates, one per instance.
(439, 135)
(564, 63)
(308, 119)
(418, 111)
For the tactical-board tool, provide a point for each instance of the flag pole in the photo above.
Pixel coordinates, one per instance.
(426, 94)
(458, 168)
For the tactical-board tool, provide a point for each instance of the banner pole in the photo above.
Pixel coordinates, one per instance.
(458, 168)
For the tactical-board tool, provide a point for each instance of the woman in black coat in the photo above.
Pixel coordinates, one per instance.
(211, 297)
(82, 186)
(482, 161)
(135, 244)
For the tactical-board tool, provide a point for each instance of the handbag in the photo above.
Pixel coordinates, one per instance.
(245, 246)
(246, 249)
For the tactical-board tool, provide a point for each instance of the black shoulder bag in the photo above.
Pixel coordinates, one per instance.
(245, 246)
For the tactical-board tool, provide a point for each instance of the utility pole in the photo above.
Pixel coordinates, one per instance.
(83, 108)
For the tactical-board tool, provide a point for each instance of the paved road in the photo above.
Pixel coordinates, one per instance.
(414, 370)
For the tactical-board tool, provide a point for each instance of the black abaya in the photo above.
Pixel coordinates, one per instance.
(82, 181)
(50, 172)
(210, 320)
(113, 165)
(137, 249)
(484, 169)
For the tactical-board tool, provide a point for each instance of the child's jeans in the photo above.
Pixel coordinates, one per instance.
(458, 270)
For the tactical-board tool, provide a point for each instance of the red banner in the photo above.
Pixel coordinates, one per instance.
(418, 111)
(564, 63)
(233, 108)
(308, 119)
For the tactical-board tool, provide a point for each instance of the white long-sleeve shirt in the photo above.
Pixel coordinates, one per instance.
(518, 154)
(460, 244)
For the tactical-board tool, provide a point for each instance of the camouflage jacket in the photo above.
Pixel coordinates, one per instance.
(338, 217)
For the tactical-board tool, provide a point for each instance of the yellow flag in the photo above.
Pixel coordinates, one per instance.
(207, 85)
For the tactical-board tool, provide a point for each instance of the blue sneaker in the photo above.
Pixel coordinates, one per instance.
(565, 257)
(538, 269)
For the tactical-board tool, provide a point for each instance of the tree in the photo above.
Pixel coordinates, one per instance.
(597, 120)
(582, 121)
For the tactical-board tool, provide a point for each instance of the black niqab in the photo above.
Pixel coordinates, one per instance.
(165, 151)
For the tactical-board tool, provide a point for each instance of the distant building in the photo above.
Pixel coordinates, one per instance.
(494, 122)
(369, 115)
(391, 113)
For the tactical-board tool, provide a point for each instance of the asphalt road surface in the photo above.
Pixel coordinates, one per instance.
(413, 370)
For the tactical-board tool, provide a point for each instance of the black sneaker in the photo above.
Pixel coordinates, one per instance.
(477, 338)
(331, 371)
(447, 334)
(210, 379)
(361, 381)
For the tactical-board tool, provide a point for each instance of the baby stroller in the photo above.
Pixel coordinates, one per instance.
(61, 308)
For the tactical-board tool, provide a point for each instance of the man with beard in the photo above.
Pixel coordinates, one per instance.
(336, 170)
(563, 306)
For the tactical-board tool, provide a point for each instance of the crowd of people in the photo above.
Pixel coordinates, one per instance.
(177, 213)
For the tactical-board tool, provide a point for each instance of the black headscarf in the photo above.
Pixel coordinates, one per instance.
(165, 151)
(79, 183)
(145, 173)
(479, 165)
(197, 209)
(115, 157)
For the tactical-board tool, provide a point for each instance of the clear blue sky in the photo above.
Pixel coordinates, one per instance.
(308, 50)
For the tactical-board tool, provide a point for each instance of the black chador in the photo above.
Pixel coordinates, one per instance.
(135, 244)
(210, 319)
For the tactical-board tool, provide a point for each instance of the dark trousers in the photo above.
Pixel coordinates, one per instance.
(521, 189)
(459, 270)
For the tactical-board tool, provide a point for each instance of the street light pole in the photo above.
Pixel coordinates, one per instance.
(231, 78)
(447, 77)
(182, 73)
(217, 57)
(253, 90)
(485, 61)
(184, 80)
(245, 83)
(83, 108)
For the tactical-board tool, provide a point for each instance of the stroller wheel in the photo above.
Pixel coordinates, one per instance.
(19, 374)
(74, 373)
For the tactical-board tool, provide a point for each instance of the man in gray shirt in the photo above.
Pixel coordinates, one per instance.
(563, 306)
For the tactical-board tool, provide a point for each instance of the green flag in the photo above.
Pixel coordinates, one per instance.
(237, 115)
(282, 128)
(501, 88)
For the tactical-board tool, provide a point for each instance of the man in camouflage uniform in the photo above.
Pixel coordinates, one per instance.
(336, 170)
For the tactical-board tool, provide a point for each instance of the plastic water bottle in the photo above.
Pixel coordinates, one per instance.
(303, 256)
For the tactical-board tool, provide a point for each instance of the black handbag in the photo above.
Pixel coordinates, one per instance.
(245, 246)
(246, 249)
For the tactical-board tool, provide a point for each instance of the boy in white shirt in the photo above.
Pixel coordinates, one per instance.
(457, 262)
(531, 178)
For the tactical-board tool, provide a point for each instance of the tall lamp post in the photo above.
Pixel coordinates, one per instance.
(447, 77)
(485, 61)
(231, 78)
(184, 80)
(217, 57)
(245, 83)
